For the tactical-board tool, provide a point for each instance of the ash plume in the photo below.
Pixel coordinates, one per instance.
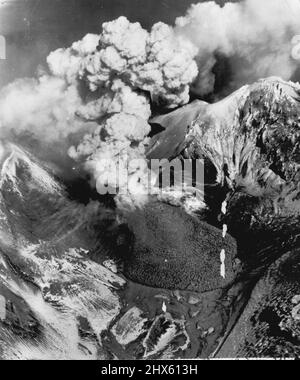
(129, 70)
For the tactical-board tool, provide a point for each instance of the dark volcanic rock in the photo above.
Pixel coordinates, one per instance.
(174, 250)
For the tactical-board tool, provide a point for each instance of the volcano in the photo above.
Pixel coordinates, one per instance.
(77, 284)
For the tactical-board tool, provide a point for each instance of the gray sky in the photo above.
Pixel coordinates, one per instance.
(33, 28)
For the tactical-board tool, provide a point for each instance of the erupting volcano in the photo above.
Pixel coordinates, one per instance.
(155, 274)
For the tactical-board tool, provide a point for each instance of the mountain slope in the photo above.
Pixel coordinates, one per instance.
(57, 301)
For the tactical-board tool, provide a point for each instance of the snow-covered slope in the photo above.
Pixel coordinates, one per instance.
(255, 134)
(16, 162)
(57, 301)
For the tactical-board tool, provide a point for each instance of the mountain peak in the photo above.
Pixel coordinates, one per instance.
(18, 165)
(253, 134)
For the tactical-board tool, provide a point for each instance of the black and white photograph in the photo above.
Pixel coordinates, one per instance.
(149, 182)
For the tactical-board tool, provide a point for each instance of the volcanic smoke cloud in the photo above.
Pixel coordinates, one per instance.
(254, 35)
(101, 90)
(124, 70)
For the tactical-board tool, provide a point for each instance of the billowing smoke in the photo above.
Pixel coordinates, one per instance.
(254, 35)
(40, 115)
(127, 71)
(44, 107)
